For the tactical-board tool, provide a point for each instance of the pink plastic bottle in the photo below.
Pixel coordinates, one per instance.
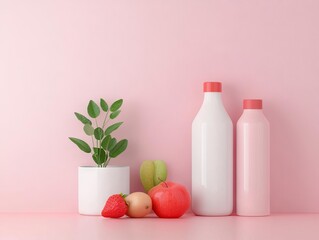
(253, 196)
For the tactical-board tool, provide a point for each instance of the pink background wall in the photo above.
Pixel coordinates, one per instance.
(56, 55)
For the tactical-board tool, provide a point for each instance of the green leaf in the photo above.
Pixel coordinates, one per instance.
(111, 144)
(106, 141)
(96, 150)
(99, 156)
(115, 114)
(82, 118)
(88, 129)
(93, 109)
(119, 148)
(98, 133)
(104, 105)
(116, 105)
(112, 128)
(81, 144)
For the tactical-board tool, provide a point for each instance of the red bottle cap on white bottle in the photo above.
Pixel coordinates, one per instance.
(253, 104)
(212, 86)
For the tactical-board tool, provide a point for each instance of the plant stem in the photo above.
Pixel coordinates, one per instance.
(104, 122)
(97, 143)
(107, 161)
(96, 123)
(92, 141)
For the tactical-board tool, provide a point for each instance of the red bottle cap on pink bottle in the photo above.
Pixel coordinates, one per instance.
(253, 104)
(212, 86)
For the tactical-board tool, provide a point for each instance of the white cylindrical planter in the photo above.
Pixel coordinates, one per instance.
(96, 184)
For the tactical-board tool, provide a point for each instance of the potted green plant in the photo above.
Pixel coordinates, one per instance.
(97, 183)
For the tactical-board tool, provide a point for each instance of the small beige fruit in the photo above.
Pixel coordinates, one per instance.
(139, 204)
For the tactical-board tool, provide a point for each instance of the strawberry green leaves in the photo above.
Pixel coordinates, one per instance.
(104, 145)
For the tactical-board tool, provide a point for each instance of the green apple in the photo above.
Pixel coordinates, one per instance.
(147, 171)
(152, 173)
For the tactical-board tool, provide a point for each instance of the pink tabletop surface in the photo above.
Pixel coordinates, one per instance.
(73, 226)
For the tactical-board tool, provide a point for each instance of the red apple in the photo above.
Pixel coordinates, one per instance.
(169, 199)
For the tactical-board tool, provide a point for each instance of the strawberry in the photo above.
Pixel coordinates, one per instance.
(115, 206)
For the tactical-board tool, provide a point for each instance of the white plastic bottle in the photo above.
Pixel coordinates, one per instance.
(212, 156)
(253, 197)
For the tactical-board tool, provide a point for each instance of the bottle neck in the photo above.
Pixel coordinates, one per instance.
(253, 112)
(212, 97)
